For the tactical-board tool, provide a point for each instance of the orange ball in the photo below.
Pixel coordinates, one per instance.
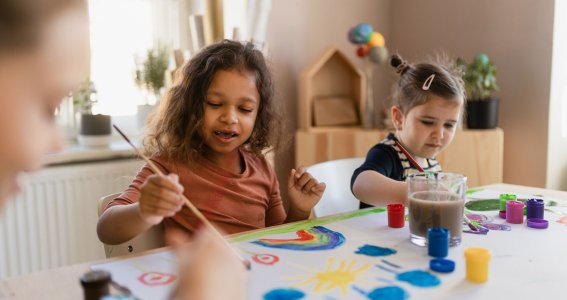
(376, 40)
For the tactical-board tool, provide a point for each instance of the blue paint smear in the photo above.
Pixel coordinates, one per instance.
(371, 250)
(419, 278)
(284, 294)
(388, 293)
(384, 293)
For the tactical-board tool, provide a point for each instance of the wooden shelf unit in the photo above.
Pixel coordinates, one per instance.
(479, 154)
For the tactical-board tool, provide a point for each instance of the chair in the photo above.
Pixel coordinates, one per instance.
(336, 174)
(152, 238)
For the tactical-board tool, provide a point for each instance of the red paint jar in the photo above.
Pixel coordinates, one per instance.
(396, 214)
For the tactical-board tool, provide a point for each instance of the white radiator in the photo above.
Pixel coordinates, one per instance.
(52, 222)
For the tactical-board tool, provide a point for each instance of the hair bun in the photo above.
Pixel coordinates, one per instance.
(397, 62)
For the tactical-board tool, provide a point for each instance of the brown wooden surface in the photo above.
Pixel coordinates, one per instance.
(478, 154)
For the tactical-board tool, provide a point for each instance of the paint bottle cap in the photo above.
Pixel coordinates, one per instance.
(477, 254)
(502, 214)
(437, 242)
(538, 223)
(442, 265)
(95, 284)
(396, 215)
(514, 212)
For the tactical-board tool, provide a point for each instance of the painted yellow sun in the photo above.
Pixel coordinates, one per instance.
(341, 277)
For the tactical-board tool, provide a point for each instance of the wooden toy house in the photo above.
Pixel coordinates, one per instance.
(332, 93)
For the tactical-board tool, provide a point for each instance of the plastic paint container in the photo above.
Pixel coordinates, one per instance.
(514, 212)
(535, 209)
(504, 198)
(477, 261)
(396, 215)
(437, 242)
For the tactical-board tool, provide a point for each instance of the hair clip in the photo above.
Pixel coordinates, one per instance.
(427, 82)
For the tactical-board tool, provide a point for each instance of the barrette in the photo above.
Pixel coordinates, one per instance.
(427, 82)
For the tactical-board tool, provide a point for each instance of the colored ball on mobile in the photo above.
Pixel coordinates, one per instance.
(362, 51)
(378, 55)
(376, 40)
(351, 36)
(362, 32)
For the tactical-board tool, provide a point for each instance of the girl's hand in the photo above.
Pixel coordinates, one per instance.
(304, 192)
(161, 197)
(208, 269)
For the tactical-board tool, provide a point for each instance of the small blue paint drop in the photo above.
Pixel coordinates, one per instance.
(284, 294)
(419, 278)
(371, 250)
(388, 293)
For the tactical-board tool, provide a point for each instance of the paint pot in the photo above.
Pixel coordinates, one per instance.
(535, 209)
(437, 242)
(477, 261)
(502, 214)
(514, 212)
(504, 198)
(95, 284)
(396, 215)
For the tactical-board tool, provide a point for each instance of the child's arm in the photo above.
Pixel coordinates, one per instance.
(376, 189)
(304, 192)
(160, 197)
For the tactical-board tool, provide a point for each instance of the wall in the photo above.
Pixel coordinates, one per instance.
(557, 160)
(299, 31)
(517, 35)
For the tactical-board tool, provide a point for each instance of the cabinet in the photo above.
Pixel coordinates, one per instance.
(476, 153)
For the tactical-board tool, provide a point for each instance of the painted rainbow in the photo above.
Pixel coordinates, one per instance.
(314, 238)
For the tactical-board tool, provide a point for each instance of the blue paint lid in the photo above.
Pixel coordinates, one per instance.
(442, 265)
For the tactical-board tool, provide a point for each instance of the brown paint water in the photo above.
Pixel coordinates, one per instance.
(428, 209)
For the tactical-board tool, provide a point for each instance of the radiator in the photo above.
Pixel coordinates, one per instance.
(52, 222)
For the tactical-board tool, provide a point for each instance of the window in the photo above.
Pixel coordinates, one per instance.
(120, 31)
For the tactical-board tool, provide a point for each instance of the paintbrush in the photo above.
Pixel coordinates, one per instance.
(419, 168)
(188, 203)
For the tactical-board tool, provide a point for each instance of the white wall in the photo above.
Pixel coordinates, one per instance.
(557, 148)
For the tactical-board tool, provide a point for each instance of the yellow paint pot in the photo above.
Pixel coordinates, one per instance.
(477, 260)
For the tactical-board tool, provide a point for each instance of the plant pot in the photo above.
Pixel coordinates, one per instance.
(95, 130)
(482, 114)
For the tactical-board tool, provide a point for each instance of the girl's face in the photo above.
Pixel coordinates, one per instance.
(428, 128)
(32, 84)
(231, 108)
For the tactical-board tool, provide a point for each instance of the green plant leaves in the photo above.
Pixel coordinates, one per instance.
(479, 77)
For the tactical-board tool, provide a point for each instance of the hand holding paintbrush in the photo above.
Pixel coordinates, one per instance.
(187, 203)
(419, 168)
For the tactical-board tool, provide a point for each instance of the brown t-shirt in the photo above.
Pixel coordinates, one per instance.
(232, 202)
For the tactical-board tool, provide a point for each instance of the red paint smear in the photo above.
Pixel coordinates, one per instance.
(156, 278)
(303, 236)
(266, 259)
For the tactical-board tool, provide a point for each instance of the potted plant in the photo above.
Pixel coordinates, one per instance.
(150, 78)
(480, 84)
(94, 130)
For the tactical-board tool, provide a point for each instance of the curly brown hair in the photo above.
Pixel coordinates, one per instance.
(175, 131)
